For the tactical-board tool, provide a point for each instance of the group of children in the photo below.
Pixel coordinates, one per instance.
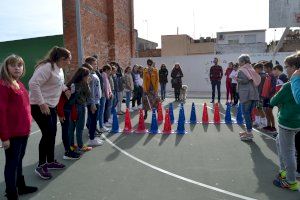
(100, 91)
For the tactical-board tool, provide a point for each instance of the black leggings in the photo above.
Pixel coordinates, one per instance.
(47, 124)
(177, 92)
(13, 163)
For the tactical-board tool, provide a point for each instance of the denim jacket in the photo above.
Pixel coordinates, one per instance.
(95, 88)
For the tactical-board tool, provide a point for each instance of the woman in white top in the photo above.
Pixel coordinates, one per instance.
(46, 86)
(233, 77)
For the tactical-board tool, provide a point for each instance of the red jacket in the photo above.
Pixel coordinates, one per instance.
(15, 112)
(61, 106)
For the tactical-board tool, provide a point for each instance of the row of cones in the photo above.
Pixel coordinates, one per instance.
(169, 119)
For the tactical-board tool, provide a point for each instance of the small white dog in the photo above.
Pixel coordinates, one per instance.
(183, 92)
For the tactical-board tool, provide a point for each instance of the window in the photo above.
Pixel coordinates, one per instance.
(250, 38)
(233, 39)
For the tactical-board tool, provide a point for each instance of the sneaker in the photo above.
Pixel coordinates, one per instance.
(212, 101)
(104, 129)
(95, 142)
(85, 148)
(242, 134)
(283, 183)
(107, 124)
(140, 106)
(281, 175)
(42, 171)
(100, 140)
(267, 128)
(130, 110)
(71, 155)
(120, 113)
(55, 165)
(134, 108)
(247, 137)
(74, 147)
(273, 129)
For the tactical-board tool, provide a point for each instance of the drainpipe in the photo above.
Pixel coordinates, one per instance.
(78, 31)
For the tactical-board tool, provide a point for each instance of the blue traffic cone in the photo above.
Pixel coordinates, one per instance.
(228, 114)
(193, 118)
(183, 115)
(181, 122)
(239, 115)
(115, 123)
(171, 113)
(154, 125)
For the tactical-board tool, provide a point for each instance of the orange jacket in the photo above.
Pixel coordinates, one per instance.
(153, 77)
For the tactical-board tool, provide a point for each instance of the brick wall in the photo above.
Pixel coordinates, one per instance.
(106, 27)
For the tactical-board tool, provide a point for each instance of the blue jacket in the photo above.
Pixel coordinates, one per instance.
(95, 88)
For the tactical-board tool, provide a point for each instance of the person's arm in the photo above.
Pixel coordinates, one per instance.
(295, 84)
(279, 97)
(211, 73)
(221, 72)
(39, 78)
(4, 132)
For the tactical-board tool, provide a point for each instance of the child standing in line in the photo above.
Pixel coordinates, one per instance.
(93, 105)
(106, 70)
(288, 126)
(80, 93)
(233, 77)
(128, 86)
(228, 83)
(46, 86)
(115, 88)
(281, 78)
(260, 117)
(269, 89)
(15, 124)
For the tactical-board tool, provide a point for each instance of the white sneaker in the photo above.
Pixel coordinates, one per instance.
(134, 108)
(110, 120)
(95, 142)
(130, 110)
(104, 129)
(140, 106)
(107, 124)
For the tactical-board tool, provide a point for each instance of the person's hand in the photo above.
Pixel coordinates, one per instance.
(93, 108)
(68, 94)
(45, 109)
(5, 144)
(62, 119)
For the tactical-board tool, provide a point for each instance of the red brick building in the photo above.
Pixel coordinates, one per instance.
(99, 27)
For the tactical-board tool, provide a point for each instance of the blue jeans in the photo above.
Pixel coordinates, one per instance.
(247, 108)
(79, 125)
(115, 99)
(107, 110)
(93, 121)
(163, 90)
(101, 111)
(128, 97)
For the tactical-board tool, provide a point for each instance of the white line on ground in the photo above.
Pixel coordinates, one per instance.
(259, 132)
(175, 175)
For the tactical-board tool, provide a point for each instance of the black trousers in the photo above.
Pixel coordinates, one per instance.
(13, 163)
(297, 144)
(213, 85)
(48, 126)
(137, 95)
(234, 93)
(176, 92)
(65, 130)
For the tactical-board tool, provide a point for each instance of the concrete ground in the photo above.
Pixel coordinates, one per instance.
(209, 162)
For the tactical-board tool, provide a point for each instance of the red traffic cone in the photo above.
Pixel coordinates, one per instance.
(127, 125)
(160, 116)
(167, 126)
(217, 119)
(141, 126)
(205, 115)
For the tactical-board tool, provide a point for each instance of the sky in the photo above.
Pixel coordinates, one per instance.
(21, 19)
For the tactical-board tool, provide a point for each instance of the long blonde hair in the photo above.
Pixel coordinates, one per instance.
(5, 76)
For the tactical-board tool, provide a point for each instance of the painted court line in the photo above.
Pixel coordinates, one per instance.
(176, 175)
(259, 132)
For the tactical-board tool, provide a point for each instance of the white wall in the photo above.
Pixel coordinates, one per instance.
(260, 36)
(196, 68)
